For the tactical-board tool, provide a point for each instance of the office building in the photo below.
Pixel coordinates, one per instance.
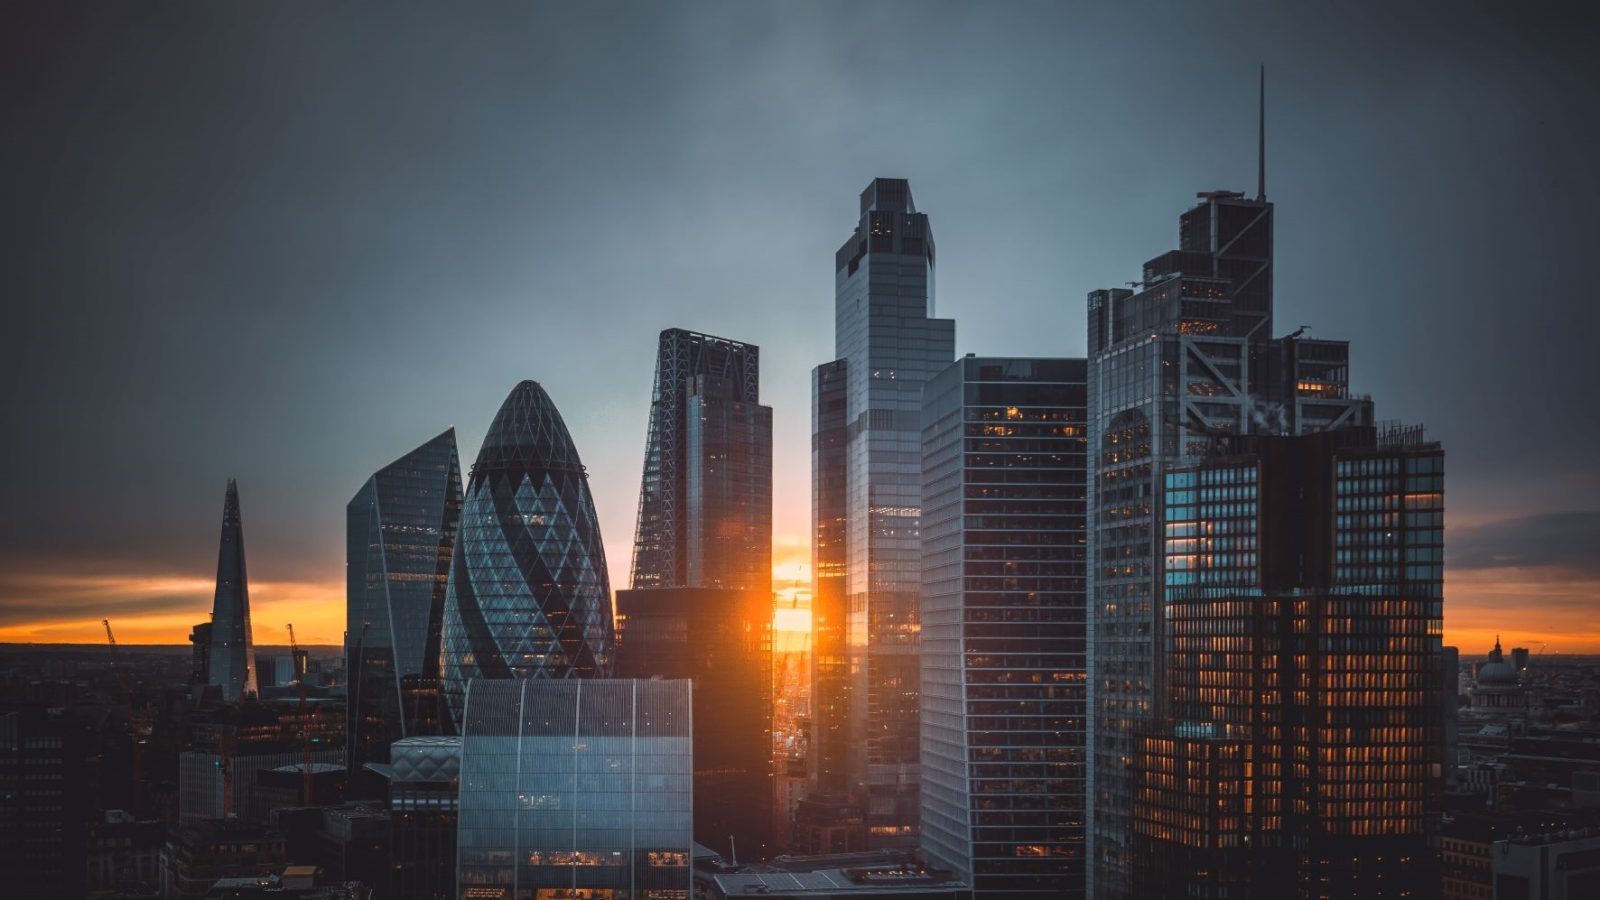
(886, 345)
(1561, 865)
(200, 663)
(400, 529)
(424, 783)
(1003, 625)
(200, 854)
(705, 502)
(575, 788)
(701, 604)
(721, 640)
(44, 802)
(1295, 746)
(528, 594)
(1186, 356)
(232, 658)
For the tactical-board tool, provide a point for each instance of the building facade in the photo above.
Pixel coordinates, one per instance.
(701, 605)
(231, 661)
(721, 641)
(528, 594)
(400, 531)
(1296, 741)
(1186, 356)
(886, 344)
(705, 501)
(1003, 625)
(576, 788)
(424, 786)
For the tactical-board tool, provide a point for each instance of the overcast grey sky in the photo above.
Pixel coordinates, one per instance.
(288, 242)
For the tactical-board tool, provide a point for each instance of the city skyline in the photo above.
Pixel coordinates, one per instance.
(1406, 206)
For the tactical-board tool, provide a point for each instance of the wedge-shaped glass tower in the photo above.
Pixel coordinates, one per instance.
(528, 595)
(400, 531)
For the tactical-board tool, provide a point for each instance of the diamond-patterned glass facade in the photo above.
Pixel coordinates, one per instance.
(400, 531)
(528, 595)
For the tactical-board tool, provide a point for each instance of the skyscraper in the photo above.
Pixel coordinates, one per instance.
(575, 789)
(886, 344)
(400, 530)
(701, 604)
(1185, 358)
(705, 503)
(1295, 747)
(830, 607)
(232, 659)
(1003, 625)
(528, 595)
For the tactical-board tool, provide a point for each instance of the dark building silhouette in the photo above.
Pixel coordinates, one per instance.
(232, 660)
(1186, 356)
(44, 803)
(705, 502)
(830, 607)
(200, 667)
(528, 595)
(200, 854)
(1003, 643)
(400, 531)
(721, 640)
(890, 344)
(1296, 741)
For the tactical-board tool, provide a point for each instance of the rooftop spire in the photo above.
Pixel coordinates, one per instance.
(1261, 138)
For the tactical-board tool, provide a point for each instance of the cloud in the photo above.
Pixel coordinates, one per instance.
(1566, 543)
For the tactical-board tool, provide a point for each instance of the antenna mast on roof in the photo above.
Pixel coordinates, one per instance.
(1261, 139)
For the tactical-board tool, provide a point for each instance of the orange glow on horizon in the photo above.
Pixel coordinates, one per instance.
(1526, 607)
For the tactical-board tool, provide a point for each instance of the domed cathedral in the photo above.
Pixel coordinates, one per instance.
(1497, 686)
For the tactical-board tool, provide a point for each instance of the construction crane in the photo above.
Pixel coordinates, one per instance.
(306, 786)
(133, 725)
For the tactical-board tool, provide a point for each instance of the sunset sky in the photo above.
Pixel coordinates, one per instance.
(289, 243)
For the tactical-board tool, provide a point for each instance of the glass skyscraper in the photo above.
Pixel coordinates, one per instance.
(705, 503)
(1003, 625)
(577, 788)
(886, 344)
(528, 595)
(400, 529)
(1186, 357)
(1296, 744)
(232, 658)
(701, 605)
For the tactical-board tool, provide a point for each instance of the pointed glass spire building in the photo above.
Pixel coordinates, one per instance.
(232, 656)
(528, 595)
(400, 531)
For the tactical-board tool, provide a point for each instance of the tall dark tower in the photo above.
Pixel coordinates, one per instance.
(528, 594)
(233, 656)
(1002, 644)
(400, 530)
(886, 344)
(705, 504)
(701, 603)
